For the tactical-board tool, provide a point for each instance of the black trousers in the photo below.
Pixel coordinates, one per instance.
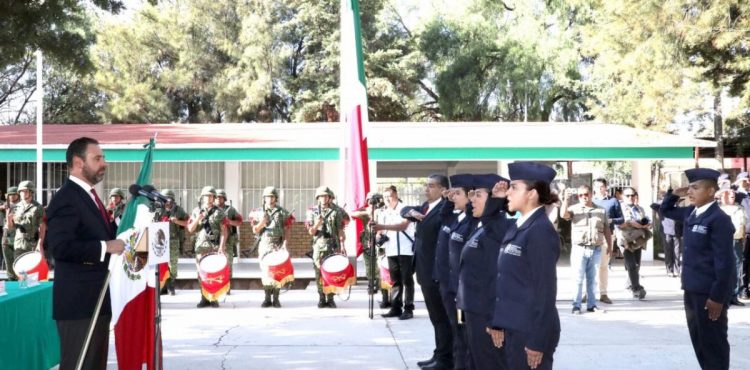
(709, 338)
(515, 352)
(402, 275)
(460, 354)
(484, 354)
(746, 264)
(633, 265)
(439, 319)
(673, 253)
(73, 334)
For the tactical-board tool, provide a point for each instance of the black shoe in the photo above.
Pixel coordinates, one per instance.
(163, 291)
(392, 313)
(171, 290)
(266, 304)
(385, 305)
(736, 302)
(640, 294)
(437, 365)
(406, 315)
(215, 304)
(331, 303)
(203, 303)
(594, 310)
(322, 303)
(426, 362)
(576, 311)
(276, 304)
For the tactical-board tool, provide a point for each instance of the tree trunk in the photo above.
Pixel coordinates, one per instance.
(718, 129)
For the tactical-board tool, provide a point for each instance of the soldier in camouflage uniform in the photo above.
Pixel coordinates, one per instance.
(365, 238)
(177, 218)
(209, 221)
(27, 218)
(12, 200)
(116, 205)
(234, 221)
(325, 223)
(272, 231)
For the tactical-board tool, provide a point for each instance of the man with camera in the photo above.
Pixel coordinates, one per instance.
(372, 253)
(208, 220)
(178, 219)
(590, 237)
(633, 234)
(396, 236)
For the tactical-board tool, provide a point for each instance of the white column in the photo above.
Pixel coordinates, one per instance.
(642, 182)
(232, 183)
(39, 122)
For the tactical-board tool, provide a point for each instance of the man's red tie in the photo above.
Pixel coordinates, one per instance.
(102, 210)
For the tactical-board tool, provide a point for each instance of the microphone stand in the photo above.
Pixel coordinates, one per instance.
(157, 315)
(371, 267)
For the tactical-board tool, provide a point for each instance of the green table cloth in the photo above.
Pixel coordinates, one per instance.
(28, 335)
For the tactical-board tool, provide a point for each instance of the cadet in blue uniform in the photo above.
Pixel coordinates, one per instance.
(456, 224)
(707, 265)
(525, 320)
(478, 269)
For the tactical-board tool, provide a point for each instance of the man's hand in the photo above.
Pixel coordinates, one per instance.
(714, 309)
(498, 337)
(446, 193)
(533, 358)
(680, 192)
(377, 227)
(500, 189)
(115, 246)
(416, 214)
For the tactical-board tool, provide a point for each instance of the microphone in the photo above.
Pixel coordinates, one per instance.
(151, 190)
(137, 190)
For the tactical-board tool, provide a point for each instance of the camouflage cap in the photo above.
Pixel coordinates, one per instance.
(168, 193)
(26, 185)
(208, 190)
(269, 191)
(12, 190)
(117, 191)
(221, 193)
(323, 190)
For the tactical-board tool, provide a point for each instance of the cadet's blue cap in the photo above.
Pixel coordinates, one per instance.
(742, 175)
(695, 174)
(487, 181)
(463, 180)
(531, 171)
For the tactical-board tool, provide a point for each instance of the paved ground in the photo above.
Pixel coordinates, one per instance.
(649, 334)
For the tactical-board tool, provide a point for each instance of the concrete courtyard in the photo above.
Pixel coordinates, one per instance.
(631, 334)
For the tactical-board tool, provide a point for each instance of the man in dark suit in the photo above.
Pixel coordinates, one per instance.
(81, 239)
(428, 222)
(708, 265)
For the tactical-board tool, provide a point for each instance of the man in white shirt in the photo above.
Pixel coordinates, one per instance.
(397, 237)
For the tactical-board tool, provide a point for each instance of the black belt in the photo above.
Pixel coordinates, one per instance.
(588, 246)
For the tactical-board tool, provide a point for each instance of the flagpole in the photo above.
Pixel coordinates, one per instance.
(92, 324)
(39, 123)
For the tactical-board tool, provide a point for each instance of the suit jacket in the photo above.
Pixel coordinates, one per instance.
(526, 286)
(708, 260)
(75, 229)
(425, 240)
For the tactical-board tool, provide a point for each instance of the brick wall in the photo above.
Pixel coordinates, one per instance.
(298, 245)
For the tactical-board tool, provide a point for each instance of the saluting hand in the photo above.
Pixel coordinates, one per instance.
(680, 192)
(500, 189)
(714, 309)
(533, 358)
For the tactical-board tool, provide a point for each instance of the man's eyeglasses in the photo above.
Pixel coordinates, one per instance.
(583, 194)
(628, 195)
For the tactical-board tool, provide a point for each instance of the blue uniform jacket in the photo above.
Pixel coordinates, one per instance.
(526, 287)
(478, 265)
(708, 260)
(459, 236)
(449, 220)
(612, 208)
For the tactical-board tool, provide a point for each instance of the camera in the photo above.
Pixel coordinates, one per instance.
(643, 221)
(376, 200)
(382, 239)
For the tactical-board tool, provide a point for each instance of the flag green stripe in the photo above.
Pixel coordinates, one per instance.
(144, 178)
(358, 42)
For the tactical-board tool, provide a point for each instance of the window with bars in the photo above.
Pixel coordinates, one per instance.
(296, 182)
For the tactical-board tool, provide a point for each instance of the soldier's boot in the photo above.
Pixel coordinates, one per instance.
(164, 290)
(267, 300)
(331, 303)
(276, 302)
(170, 286)
(322, 300)
(386, 302)
(203, 303)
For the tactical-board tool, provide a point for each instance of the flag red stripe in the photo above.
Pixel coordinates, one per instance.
(134, 333)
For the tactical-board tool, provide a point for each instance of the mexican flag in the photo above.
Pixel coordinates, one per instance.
(353, 111)
(132, 283)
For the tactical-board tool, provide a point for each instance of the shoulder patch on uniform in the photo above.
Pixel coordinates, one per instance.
(446, 229)
(700, 229)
